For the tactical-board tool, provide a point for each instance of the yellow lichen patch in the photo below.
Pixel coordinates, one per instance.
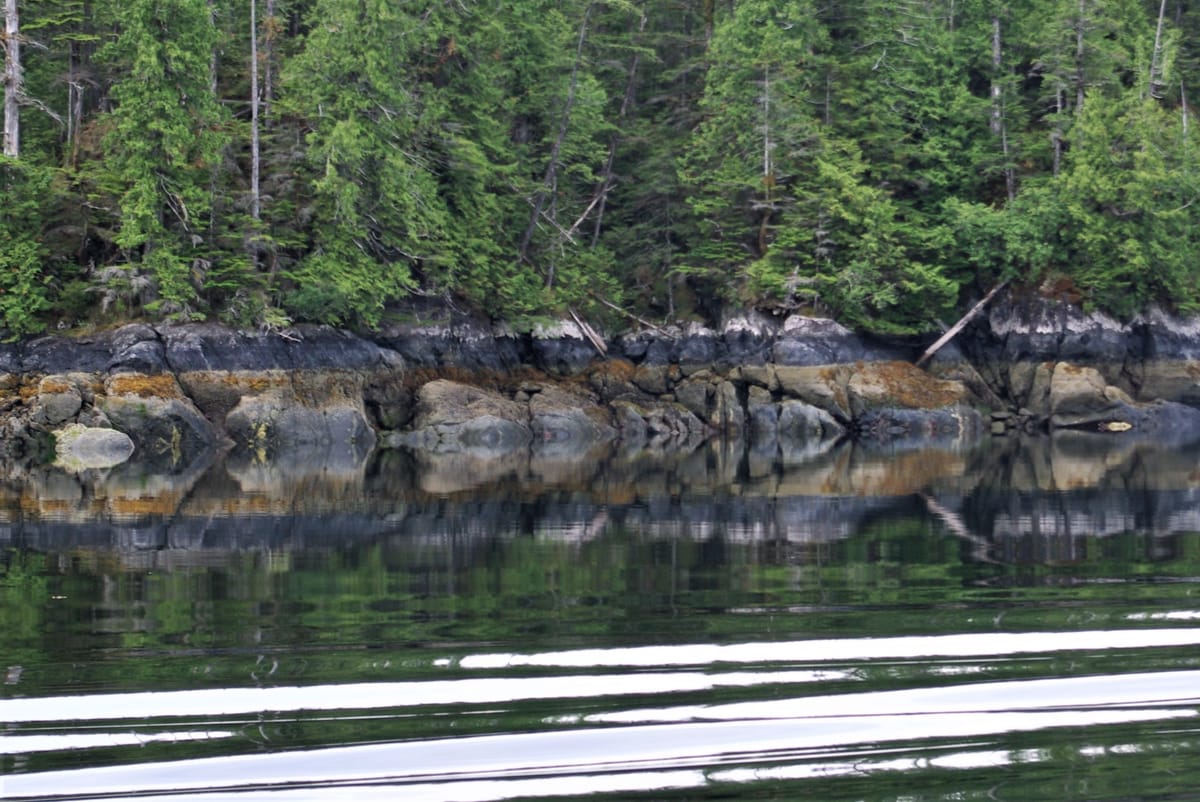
(54, 384)
(161, 385)
(56, 508)
(250, 505)
(913, 388)
(247, 382)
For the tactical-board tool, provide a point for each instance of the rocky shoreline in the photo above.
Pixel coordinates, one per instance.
(167, 396)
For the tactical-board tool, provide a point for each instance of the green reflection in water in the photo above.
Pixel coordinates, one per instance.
(398, 586)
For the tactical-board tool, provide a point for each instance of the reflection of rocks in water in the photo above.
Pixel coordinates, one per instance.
(1037, 500)
(1041, 500)
(298, 478)
(127, 508)
(449, 474)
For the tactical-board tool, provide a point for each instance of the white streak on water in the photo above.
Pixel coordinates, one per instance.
(25, 744)
(1107, 691)
(987, 644)
(377, 695)
(826, 730)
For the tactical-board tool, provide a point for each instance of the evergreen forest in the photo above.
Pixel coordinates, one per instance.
(884, 162)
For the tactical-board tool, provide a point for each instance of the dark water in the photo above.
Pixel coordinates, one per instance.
(1019, 621)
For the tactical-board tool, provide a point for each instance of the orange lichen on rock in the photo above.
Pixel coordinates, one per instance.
(613, 370)
(255, 381)
(54, 384)
(911, 387)
(161, 385)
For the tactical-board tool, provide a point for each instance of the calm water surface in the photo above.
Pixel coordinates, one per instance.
(1018, 621)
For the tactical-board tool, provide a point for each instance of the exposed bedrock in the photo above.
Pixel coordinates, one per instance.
(453, 384)
(1059, 367)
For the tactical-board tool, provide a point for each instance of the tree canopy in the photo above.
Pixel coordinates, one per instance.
(267, 161)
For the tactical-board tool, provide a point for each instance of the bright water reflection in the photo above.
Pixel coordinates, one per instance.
(1017, 622)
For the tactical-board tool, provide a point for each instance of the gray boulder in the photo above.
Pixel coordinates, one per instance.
(79, 448)
(58, 400)
(564, 421)
(163, 423)
(451, 416)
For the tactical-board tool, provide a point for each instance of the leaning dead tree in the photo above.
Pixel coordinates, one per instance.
(957, 327)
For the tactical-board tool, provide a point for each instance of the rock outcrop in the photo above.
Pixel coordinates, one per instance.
(450, 384)
(1060, 367)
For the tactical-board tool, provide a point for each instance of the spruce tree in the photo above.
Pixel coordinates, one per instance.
(163, 137)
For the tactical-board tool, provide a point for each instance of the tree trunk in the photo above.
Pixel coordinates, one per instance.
(1156, 67)
(1080, 50)
(254, 103)
(74, 102)
(627, 101)
(1184, 107)
(268, 92)
(999, 128)
(1056, 136)
(12, 81)
(957, 327)
(550, 179)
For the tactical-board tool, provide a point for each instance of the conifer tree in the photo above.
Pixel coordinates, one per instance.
(164, 134)
(24, 283)
(376, 213)
(758, 132)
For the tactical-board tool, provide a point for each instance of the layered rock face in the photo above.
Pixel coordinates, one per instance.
(460, 386)
(179, 393)
(1058, 367)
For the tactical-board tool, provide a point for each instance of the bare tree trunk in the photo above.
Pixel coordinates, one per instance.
(1056, 136)
(999, 128)
(12, 81)
(1184, 104)
(214, 62)
(627, 101)
(957, 327)
(74, 103)
(768, 174)
(255, 210)
(997, 90)
(1079, 53)
(550, 179)
(767, 129)
(269, 60)
(1156, 67)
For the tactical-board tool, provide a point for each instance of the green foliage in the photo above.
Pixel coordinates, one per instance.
(866, 159)
(1128, 193)
(376, 210)
(163, 139)
(1012, 243)
(25, 291)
